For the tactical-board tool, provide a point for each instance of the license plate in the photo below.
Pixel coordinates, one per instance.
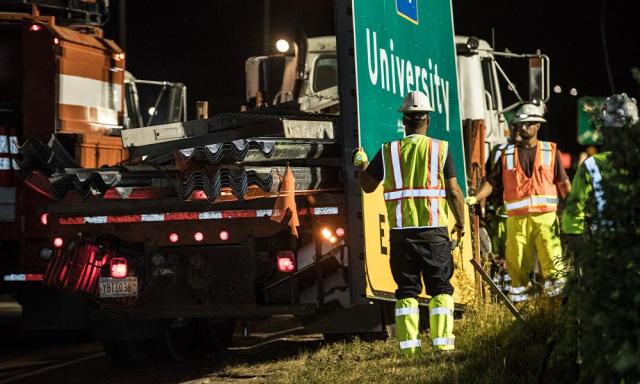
(127, 287)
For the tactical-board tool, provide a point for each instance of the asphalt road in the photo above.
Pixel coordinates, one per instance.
(74, 358)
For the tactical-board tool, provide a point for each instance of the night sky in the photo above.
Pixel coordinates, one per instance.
(204, 44)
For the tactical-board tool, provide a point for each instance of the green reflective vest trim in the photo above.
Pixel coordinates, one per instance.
(414, 191)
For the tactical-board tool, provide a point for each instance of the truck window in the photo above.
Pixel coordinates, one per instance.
(489, 82)
(325, 74)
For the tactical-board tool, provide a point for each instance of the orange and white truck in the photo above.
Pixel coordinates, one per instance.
(58, 76)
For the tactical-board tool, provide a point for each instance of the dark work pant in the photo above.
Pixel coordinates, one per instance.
(412, 257)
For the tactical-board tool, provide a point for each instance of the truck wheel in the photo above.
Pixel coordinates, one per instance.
(179, 339)
(137, 351)
(219, 334)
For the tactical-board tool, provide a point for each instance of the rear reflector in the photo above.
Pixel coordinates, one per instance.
(57, 242)
(118, 267)
(23, 277)
(286, 261)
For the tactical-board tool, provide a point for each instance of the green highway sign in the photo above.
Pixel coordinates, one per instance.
(402, 46)
(588, 133)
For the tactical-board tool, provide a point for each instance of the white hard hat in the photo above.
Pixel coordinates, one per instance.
(619, 109)
(530, 112)
(416, 102)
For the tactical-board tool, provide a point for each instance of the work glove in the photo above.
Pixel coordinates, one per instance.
(471, 200)
(360, 158)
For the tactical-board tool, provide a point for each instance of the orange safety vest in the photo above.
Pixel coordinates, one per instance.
(523, 194)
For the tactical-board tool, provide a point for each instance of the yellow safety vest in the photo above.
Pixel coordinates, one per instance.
(414, 191)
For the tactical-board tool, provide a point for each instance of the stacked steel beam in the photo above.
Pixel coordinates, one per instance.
(210, 170)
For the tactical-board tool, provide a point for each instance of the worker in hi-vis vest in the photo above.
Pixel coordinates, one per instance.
(587, 199)
(420, 186)
(531, 175)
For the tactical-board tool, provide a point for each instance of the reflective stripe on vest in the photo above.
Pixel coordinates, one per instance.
(414, 191)
(499, 151)
(596, 182)
(545, 149)
(509, 153)
(532, 201)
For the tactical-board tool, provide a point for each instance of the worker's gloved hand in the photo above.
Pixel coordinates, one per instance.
(471, 200)
(360, 158)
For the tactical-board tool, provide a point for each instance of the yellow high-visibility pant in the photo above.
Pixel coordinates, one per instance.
(529, 235)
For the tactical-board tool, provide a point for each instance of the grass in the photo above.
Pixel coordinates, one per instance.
(491, 347)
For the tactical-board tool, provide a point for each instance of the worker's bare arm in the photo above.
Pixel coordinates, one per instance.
(368, 183)
(564, 187)
(484, 191)
(455, 199)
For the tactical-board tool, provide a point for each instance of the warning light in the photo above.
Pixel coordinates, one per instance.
(35, 28)
(340, 232)
(57, 242)
(198, 236)
(326, 233)
(173, 237)
(118, 267)
(224, 235)
(44, 219)
(286, 261)
(282, 45)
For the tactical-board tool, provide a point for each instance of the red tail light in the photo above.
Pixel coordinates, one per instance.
(57, 242)
(340, 231)
(173, 237)
(198, 236)
(44, 219)
(224, 235)
(118, 267)
(286, 261)
(35, 27)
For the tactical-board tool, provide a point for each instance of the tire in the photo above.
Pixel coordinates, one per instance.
(178, 341)
(218, 335)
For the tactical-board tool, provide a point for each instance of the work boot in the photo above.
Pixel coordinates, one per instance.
(518, 294)
(553, 287)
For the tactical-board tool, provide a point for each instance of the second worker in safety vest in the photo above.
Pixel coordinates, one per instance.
(531, 175)
(420, 186)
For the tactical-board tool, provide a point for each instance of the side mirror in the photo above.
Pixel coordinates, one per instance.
(539, 83)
